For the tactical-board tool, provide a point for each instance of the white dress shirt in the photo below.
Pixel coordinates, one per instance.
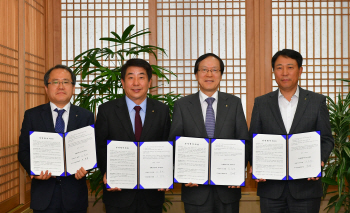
(65, 115)
(204, 104)
(288, 108)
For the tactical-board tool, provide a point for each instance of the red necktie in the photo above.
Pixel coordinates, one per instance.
(138, 123)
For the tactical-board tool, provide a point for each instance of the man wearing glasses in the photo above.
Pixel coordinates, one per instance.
(209, 114)
(48, 193)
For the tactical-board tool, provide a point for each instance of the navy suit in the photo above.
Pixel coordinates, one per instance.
(113, 123)
(74, 192)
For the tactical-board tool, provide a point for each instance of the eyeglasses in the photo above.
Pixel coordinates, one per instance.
(205, 71)
(64, 83)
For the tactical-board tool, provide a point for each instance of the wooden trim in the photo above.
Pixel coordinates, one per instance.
(53, 35)
(21, 87)
(250, 55)
(152, 23)
(10, 203)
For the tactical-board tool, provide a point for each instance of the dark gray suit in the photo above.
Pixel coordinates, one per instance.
(74, 192)
(113, 123)
(311, 115)
(230, 124)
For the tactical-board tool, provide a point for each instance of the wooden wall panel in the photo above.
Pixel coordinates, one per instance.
(35, 35)
(23, 62)
(9, 166)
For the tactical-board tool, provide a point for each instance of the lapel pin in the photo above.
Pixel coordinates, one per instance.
(76, 115)
(152, 110)
(226, 105)
(305, 99)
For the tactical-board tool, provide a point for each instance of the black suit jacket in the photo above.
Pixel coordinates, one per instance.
(74, 192)
(311, 115)
(230, 124)
(113, 123)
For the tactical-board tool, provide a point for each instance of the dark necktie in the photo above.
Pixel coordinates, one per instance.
(210, 118)
(59, 127)
(138, 123)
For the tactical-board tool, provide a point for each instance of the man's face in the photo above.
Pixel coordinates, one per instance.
(209, 81)
(287, 73)
(136, 84)
(60, 94)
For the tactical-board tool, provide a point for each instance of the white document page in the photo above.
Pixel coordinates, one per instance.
(156, 165)
(80, 149)
(227, 162)
(269, 157)
(122, 165)
(191, 160)
(46, 153)
(304, 155)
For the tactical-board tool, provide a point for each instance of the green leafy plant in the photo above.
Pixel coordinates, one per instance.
(337, 171)
(106, 83)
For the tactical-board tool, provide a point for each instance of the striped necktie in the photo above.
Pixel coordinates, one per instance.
(210, 118)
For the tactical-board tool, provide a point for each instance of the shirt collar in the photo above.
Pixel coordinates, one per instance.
(203, 96)
(296, 94)
(131, 104)
(53, 107)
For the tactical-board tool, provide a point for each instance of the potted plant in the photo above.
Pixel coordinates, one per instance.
(106, 83)
(337, 170)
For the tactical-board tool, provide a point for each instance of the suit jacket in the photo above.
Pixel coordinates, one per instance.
(74, 192)
(311, 115)
(113, 123)
(230, 124)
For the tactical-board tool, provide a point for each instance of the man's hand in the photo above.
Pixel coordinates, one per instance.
(111, 189)
(316, 178)
(42, 176)
(256, 180)
(80, 173)
(234, 187)
(191, 185)
(163, 190)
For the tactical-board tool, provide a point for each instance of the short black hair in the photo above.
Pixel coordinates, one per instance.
(59, 66)
(290, 54)
(202, 57)
(137, 62)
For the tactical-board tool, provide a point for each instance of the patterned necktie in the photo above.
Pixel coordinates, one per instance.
(210, 118)
(138, 123)
(59, 127)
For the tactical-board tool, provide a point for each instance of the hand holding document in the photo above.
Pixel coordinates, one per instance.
(139, 165)
(63, 154)
(287, 157)
(209, 161)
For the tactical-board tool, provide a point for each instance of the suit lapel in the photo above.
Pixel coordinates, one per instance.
(221, 112)
(46, 115)
(196, 112)
(123, 115)
(274, 106)
(302, 103)
(73, 116)
(150, 113)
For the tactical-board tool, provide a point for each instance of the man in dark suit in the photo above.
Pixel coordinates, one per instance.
(213, 114)
(290, 110)
(133, 117)
(48, 193)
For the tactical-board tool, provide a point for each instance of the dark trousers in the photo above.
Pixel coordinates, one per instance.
(213, 205)
(139, 205)
(287, 204)
(56, 204)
